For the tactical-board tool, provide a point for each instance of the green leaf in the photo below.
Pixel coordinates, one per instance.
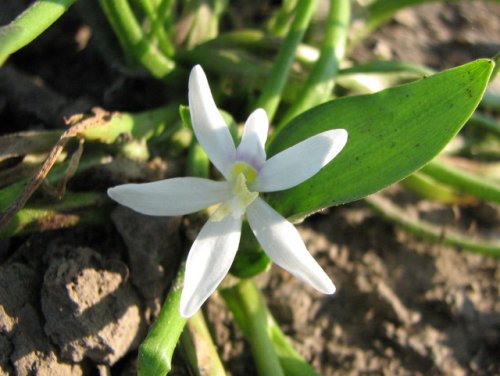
(29, 25)
(467, 182)
(391, 134)
(250, 259)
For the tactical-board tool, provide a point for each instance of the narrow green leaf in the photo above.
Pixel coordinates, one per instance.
(391, 134)
(128, 29)
(30, 24)
(74, 209)
(273, 88)
(430, 231)
(467, 182)
(140, 125)
(321, 80)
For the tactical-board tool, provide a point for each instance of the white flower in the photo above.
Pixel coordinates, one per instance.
(246, 172)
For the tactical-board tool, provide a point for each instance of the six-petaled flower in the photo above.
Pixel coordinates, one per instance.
(246, 172)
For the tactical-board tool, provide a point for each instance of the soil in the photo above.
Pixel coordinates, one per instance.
(78, 301)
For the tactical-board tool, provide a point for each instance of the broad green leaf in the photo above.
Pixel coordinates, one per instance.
(391, 134)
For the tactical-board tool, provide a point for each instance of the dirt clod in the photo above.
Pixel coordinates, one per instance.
(24, 348)
(90, 307)
(153, 251)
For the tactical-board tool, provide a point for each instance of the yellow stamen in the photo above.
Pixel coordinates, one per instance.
(241, 174)
(246, 169)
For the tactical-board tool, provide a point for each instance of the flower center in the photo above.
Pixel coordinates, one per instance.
(248, 171)
(241, 174)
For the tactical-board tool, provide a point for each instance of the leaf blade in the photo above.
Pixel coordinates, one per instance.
(392, 133)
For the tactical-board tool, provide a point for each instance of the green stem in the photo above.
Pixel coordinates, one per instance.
(319, 85)
(280, 22)
(9, 193)
(486, 122)
(250, 39)
(271, 93)
(155, 353)
(165, 16)
(464, 181)
(110, 11)
(23, 143)
(148, 8)
(52, 215)
(157, 30)
(389, 66)
(133, 39)
(147, 125)
(200, 349)
(427, 187)
(203, 18)
(427, 230)
(491, 100)
(198, 163)
(29, 25)
(292, 363)
(247, 301)
(260, 44)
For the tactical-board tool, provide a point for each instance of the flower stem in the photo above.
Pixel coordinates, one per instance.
(271, 93)
(155, 353)
(10, 194)
(29, 25)
(205, 18)
(428, 187)
(74, 209)
(199, 348)
(319, 84)
(154, 13)
(466, 182)
(166, 11)
(388, 66)
(427, 230)
(133, 39)
(486, 122)
(290, 360)
(147, 125)
(249, 309)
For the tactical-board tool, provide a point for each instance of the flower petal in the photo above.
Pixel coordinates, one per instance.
(209, 127)
(170, 197)
(209, 260)
(252, 146)
(282, 243)
(301, 161)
